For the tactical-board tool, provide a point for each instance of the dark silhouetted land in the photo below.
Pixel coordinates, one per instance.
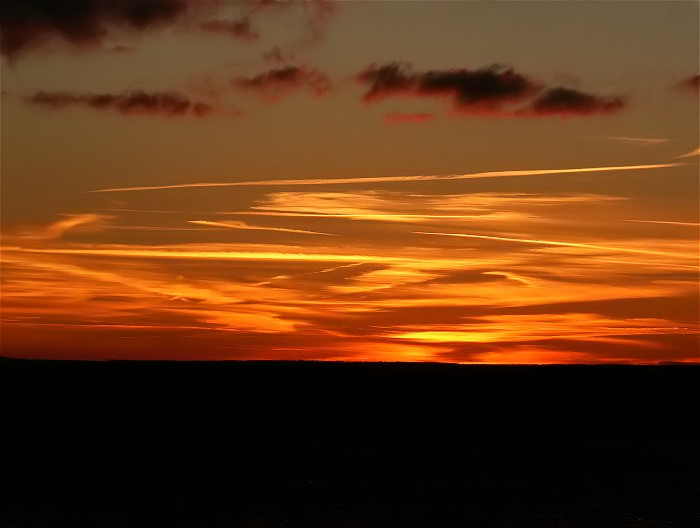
(321, 445)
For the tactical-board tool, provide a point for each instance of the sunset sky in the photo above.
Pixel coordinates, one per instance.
(455, 181)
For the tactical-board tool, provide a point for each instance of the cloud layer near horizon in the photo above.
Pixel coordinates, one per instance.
(499, 284)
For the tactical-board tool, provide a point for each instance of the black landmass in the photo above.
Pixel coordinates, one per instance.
(304, 444)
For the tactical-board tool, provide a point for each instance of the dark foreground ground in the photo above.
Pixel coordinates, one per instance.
(203, 445)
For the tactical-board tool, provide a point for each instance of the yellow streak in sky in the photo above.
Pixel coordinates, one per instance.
(57, 229)
(243, 225)
(386, 217)
(522, 328)
(690, 224)
(386, 179)
(216, 255)
(512, 276)
(642, 141)
(691, 154)
(557, 243)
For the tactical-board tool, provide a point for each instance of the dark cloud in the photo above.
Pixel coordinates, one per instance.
(120, 49)
(485, 87)
(28, 23)
(132, 103)
(489, 86)
(494, 90)
(691, 84)
(567, 101)
(275, 84)
(388, 80)
(238, 29)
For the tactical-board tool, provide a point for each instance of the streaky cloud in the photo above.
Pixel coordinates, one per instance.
(240, 29)
(136, 102)
(391, 179)
(685, 224)
(211, 255)
(243, 225)
(275, 84)
(691, 154)
(636, 140)
(59, 228)
(556, 243)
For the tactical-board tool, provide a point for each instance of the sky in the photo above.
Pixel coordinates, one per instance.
(444, 181)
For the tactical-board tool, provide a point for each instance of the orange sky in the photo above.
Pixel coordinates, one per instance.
(258, 180)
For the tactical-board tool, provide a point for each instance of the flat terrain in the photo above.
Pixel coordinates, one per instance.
(267, 444)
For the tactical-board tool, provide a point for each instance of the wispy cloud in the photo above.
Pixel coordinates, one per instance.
(411, 207)
(274, 84)
(684, 224)
(132, 103)
(324, 302)
(57, 229)
(636, 140)
(523, 328)
(691, 154)
(60, 227)
(165, 253)
(240, 29)
(565, 244)
(191, 305)
(244, 226)
(390, 179)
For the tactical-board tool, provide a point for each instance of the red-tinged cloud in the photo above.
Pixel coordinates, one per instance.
(388, 80)
(25, 24)
(486, 87)
(690, 84)
(569, 102)
(132, 103)
(400, 117)
(277, 83)
(237, 29)
(492, 91)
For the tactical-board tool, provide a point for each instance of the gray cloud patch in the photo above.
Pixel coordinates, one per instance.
(28, 23)
(133, 103)
(494, 90)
